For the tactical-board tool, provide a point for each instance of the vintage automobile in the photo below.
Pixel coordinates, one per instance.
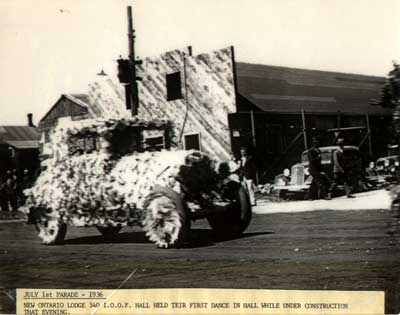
(388, 167)
(301, 180)
(115, 173)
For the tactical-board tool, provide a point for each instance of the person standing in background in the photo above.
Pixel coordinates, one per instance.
(26, 180)
(247, 171)
(234, 166)
(318, 189)
(371, 170)
(3, 196)
(11, 192)
(340, 174)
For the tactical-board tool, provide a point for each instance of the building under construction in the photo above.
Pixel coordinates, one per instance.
(280, 109)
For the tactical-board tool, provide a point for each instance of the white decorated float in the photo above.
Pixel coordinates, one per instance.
(113, 173)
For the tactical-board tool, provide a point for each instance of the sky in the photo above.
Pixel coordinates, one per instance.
(51, 47)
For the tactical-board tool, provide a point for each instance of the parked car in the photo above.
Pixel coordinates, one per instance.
(301, 179)
(388, 167)
(295, 187)
(115, 173)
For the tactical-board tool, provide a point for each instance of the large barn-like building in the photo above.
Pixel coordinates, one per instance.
(280, 109)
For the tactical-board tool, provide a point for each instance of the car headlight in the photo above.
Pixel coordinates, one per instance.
(387, 163)
(396, 163)
(393, 170)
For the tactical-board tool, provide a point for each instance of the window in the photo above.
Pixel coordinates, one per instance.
(154, 143)
(174, 86)
(79, 144)
(153, 139)
(192, 142)
(125, 141)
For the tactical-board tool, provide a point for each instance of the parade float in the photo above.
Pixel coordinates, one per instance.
(115, 173)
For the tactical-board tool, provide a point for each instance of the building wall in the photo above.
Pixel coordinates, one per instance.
(63, 108)
(7, 162)
(18, 159)
(208, 96)
(207, 84)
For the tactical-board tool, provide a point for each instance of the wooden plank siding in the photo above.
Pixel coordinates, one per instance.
(208, 96)
(64, 107)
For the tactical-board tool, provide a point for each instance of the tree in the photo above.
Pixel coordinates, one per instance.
(390, 93)
(390, 98)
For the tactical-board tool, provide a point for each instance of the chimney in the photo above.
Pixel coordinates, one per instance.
(30, 120)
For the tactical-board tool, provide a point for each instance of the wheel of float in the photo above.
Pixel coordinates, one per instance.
(51, 231)
(164, 218)
(236, 218)
(109, 231)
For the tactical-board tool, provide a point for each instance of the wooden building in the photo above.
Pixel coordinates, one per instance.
(280, 109)
(19, 148)
(196, 92)
(68, 105)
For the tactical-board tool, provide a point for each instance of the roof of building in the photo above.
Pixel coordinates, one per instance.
(289, 90)
(20, 137)
(81, 107)
(80, 99)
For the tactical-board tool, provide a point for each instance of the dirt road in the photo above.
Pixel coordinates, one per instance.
(334, 250)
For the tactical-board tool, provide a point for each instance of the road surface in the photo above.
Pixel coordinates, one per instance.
(334, 250)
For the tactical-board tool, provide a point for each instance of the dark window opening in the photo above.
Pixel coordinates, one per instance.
(80, 145)
(154, 143)
(174, 86)
(125, 141)
(192, 142)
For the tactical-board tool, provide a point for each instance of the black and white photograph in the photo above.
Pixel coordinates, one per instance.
(200, 144)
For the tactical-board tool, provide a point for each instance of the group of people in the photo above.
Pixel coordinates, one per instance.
(11, 187)
(322, 187)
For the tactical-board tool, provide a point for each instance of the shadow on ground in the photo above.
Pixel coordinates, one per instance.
(197, 238)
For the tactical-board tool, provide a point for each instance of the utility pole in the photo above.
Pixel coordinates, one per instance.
(369, 134)
(134, 97)
(303, 118)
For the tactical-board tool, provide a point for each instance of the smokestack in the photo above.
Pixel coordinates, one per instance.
(30, 120)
